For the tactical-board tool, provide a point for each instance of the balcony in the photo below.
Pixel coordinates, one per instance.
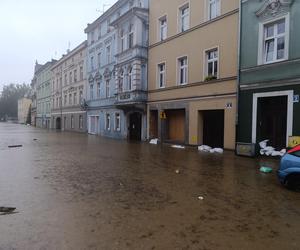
(131, 98)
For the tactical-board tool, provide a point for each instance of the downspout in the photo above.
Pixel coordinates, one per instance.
(238, 75)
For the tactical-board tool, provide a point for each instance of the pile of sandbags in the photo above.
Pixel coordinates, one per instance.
(270, 151)
(208, 149)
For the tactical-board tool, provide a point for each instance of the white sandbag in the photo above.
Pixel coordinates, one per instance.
(154, 141)
(276, 153)
(263, 144)
(262, 152)
(219, 150)
(212, 151)
(204, 148)
(269, 149)
(283, 151)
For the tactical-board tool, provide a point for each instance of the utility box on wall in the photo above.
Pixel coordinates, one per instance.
(294, 141)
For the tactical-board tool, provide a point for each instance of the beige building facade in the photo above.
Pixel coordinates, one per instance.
(192, 85)
(23, 109)
(69, 84)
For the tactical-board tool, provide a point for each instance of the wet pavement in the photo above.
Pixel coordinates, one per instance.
(74, 191)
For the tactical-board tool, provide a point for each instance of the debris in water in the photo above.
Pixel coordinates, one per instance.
(266, 170)
(178, 146)
(7, 209)
(201, 198)
(154, 141)
(15, 146)
(177, 171)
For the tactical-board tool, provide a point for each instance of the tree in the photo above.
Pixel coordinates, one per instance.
(9, 99)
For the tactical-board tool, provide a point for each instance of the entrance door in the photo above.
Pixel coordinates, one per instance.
(176, 125)
(153, 124)
(272, 120)
(58, 123)
(213, 128)
(135, 126)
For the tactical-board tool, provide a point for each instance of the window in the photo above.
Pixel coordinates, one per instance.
(130, 37)
(122, 35)
(72, 122)
(75, 98)
(212, 58)
(65, 122)
(92, 63)
(81, 73)
(99, 59)
(163, 28)
(107, 88)
(161, 75)
(117, 122)
(184, 16)
(108, 55)
(130, 79)
(107, 122)
(70, 77)
(60, 83)
(92, 37)
(80, 96)
(80, 122)
(65, 100)
(70, 99)
(182, 70)
(66, 80)
(91, 92)
(99, 32)
(213, 9)
(75, 75)
(275, 41)
(121, 81)
(98, 90)
(108, 25)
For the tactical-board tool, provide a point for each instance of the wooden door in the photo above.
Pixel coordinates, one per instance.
(176, 125)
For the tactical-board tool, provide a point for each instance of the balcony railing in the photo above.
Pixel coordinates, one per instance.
(131, 97)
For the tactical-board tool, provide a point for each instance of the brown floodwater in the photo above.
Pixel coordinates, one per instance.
(76, 191)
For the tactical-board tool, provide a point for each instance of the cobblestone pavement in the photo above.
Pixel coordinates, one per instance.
(75, 191)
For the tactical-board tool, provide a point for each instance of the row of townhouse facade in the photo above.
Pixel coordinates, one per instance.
(223, 73)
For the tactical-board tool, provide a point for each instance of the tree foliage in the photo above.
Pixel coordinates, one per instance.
(9, 99)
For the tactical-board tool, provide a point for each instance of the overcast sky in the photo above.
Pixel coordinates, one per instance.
(33, 30)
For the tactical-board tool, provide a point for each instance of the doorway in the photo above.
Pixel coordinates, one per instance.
(272, 120)
(135, 126)
(58, 123)
(213, 128)
(153, 124)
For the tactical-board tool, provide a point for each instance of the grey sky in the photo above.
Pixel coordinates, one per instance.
(40, 30)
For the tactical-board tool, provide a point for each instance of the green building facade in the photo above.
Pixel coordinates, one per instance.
(269, 107)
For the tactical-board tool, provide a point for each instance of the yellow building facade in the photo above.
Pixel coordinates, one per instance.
(192, 75)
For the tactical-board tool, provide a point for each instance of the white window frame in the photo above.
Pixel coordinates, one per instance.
(180, 17)
(261, 41)
(98, 89)
(131, 34)
(218, 8)
(206, 61)
(159, 72)
(290, 111)
(186, 67)
(122, 40)
(117, 122)
(91, 88)
(162, 29)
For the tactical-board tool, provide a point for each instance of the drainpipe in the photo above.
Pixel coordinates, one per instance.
(238, 74)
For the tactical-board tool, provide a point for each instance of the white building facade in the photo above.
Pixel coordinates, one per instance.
(117, 71)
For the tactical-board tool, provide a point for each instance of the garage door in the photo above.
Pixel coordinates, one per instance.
(176, 125)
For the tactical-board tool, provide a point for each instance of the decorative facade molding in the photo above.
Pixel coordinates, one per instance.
(273, 8)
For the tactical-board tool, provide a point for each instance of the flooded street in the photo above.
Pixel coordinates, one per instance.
(75, 191)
